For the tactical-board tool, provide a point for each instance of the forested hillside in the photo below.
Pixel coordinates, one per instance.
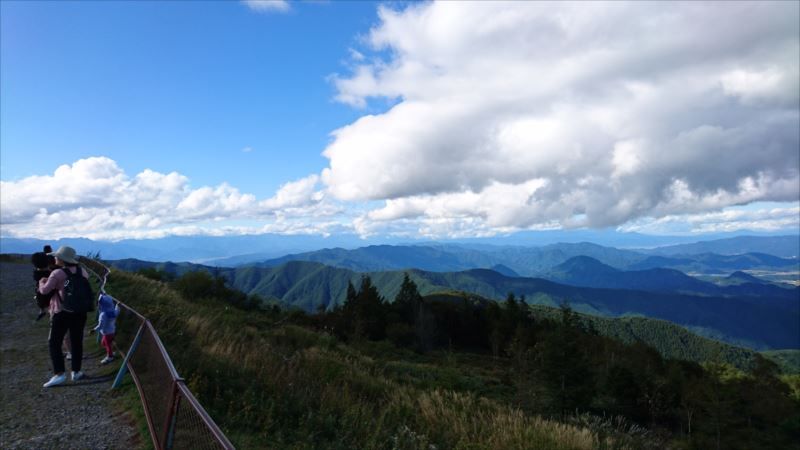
(671, 341)
(313, 286)
(528, 261)
(449, 372)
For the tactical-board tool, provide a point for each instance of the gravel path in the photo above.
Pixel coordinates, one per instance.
(74, 415)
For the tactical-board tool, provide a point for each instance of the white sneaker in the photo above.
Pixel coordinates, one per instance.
(68, 355)
(77, 375)
(106, 360)
(56, 380)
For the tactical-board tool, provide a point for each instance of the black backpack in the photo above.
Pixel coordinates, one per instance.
(78, 295)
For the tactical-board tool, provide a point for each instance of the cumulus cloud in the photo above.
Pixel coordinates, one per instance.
(266, 6)
(734, 219)
(295, 193)
(513, 115)
(503, 116)
(95, 198)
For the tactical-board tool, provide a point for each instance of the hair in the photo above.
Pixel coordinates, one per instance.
(40, 260)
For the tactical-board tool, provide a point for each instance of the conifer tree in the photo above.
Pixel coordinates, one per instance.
(408, 300)
(565, 369)
(367, 311)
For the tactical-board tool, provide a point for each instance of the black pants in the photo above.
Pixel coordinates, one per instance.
(59, 326)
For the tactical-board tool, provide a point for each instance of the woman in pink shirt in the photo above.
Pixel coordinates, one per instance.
(63, 320)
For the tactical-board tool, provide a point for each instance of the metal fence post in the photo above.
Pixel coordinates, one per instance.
(172, 417)
(124, 366)
(199, 427)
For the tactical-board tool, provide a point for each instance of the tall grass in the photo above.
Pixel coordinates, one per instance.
(285, 386)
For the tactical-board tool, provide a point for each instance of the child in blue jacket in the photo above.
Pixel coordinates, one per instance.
(106, 324)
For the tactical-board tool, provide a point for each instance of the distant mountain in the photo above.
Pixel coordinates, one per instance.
(505, 270)
(188, 248)
(526, 261)
(758, 322)
(782, 246)
(532, 261)
(393, 257)
(582, 271)
(529, 261)
(589, 272)
(713, 263)
(740, 277)
(607, 237)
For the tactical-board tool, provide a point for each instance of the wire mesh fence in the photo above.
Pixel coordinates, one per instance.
(190, 430)
(175, 418)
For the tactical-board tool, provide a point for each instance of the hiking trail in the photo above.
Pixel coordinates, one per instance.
(74, 415)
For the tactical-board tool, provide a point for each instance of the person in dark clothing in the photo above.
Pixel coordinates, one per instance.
(62, 320)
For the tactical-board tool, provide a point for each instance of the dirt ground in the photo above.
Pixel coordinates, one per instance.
(74, 415)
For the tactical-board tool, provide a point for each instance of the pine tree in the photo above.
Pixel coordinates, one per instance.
(565, 369)
(367, 310)
(408, 300)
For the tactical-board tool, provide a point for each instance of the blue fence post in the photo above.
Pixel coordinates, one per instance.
(124, 367)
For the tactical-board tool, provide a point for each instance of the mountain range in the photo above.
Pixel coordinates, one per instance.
(783, 246)
(236, 250)
(759, 321)
(528, 261)
(735, 295)
(589, 272)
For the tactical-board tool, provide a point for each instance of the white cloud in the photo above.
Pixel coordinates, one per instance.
(733, 219)
(771, 85)
(515, 115)
(355, 55)
(95, 198)
(295, 193)
(265, 6)
(503, 116)
(247, 149)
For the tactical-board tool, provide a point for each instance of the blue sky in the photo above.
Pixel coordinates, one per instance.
(418, 120)
(175, 86)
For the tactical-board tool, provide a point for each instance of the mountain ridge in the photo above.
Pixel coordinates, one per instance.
(588, 272)
(311, 286)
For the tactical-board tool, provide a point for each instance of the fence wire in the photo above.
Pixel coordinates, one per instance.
(155, 381)
(190, 430)
(174, 416)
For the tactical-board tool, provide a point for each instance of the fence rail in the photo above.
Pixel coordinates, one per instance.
(175, 418)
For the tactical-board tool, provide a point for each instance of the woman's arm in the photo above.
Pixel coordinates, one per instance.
(52, 282)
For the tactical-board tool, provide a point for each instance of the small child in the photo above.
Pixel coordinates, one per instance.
(106, 324)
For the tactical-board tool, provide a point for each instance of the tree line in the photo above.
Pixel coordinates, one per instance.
(560, 367)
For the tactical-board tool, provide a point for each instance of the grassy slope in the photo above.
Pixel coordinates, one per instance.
(283, 386)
